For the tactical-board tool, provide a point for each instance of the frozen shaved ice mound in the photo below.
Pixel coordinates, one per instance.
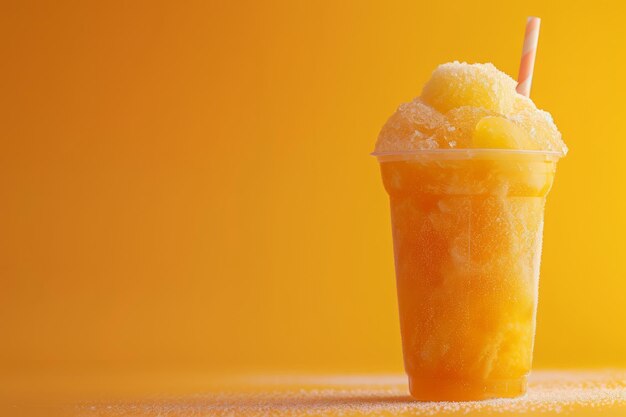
(412, 126)
(469, 106)
(478, 85)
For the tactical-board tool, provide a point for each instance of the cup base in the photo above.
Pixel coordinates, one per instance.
(433, 389)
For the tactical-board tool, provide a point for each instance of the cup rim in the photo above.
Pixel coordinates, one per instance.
(468, 153)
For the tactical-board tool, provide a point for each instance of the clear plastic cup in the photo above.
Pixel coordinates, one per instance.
(467, 232)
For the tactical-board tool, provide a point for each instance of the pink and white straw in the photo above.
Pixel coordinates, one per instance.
(525, 77)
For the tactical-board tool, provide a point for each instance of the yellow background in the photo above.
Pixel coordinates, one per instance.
(186, 185)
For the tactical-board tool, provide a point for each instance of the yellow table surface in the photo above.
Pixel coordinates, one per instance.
(573, 393)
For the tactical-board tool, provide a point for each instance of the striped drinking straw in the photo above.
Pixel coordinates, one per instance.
(525, 77)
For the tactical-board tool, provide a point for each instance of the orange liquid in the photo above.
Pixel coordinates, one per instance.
(467, 241)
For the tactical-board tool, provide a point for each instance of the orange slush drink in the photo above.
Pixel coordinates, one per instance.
(467, 167)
